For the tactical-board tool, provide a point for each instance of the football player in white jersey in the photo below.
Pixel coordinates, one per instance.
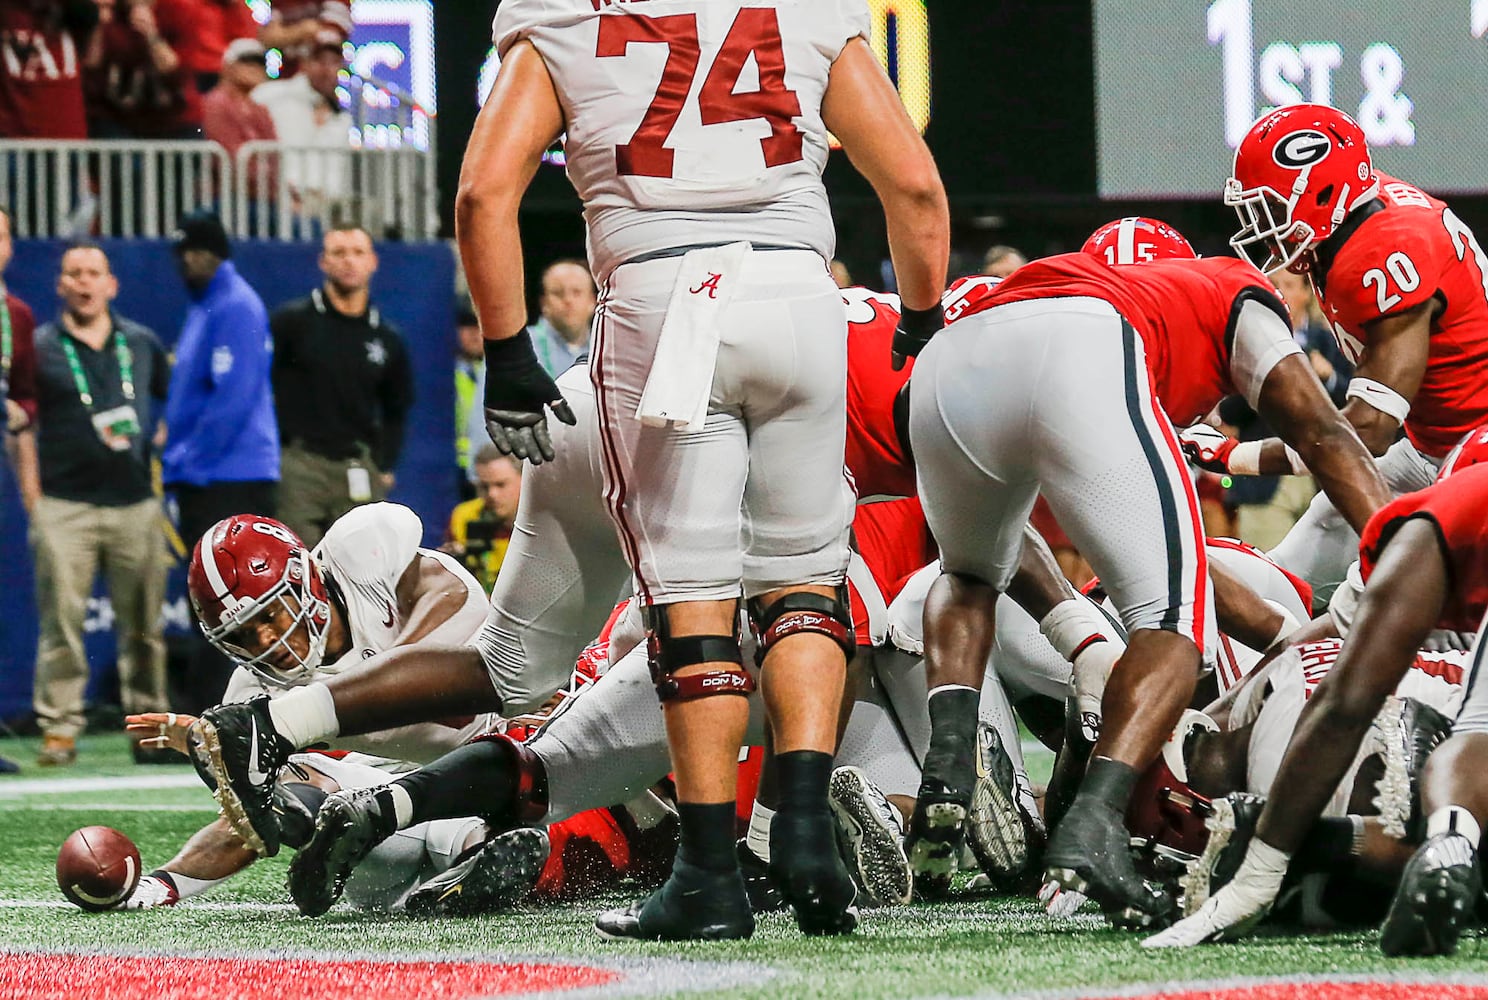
(696, 137)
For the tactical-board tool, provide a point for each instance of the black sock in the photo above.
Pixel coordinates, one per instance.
(1109, 782)
(707, 838)
(950, 760)
(802, 777)
(1328, 846)
(478, 779)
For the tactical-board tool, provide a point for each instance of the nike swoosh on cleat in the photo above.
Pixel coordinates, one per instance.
(255, 776)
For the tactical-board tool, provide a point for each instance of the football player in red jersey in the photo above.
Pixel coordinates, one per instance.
(1137, 239)
(992, 424)
(1424, 560)
(1404, 283)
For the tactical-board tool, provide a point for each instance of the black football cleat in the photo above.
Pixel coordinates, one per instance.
(238, 754)
(996, 828)
(1435, 899)
(1231, 825)
(502, 872)
(349, 825)
(764, 894)
(1090, 854)
(937, 827)
(693, 905)
(805, 863)
(871, 837)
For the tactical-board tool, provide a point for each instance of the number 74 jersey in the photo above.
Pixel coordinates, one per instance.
(1408, 249)
(691, 121)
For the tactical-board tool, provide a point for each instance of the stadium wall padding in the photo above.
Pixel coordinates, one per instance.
(414, 288)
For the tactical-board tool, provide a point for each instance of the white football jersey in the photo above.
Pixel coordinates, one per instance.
(362, 557)
(691, 121)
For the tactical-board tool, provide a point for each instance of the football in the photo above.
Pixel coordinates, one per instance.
(97, 867)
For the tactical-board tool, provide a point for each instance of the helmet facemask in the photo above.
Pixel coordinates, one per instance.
(289, 604)
(1268, 236)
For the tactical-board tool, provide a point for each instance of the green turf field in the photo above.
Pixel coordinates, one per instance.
(969, 947)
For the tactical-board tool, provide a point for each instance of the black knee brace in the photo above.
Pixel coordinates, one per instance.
(666, 654)
(802, 611)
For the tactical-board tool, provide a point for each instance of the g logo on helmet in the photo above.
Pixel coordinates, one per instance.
(1302, 149)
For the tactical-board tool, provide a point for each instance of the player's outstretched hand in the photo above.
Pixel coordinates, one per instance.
(1233, 911)
(916, 327)
(518, 392)
(1207, 447)
(158, 730)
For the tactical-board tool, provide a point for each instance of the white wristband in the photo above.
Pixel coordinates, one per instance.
(1380, 396)
(1245, 459)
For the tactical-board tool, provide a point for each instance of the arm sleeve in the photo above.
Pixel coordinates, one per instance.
(1262, 339)
(397, 399)
(239, 365)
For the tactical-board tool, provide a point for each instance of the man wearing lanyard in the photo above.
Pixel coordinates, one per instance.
(100, 380)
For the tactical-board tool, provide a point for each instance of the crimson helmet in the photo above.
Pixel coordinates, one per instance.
(244, 567)
(1299, 172)
(1137, 239)
(1472, 449)
(1165, 812)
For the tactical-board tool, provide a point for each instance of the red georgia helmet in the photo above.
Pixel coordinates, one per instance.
(1165, 812)
(1299, 172)
(245, 565)
(1137, 239)
(1472, 449)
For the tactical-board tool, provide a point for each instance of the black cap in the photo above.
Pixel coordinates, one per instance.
(202, 230)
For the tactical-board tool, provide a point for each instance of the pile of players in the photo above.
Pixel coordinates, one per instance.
(898, 614)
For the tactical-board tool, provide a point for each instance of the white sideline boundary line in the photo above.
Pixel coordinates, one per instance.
(21, 787)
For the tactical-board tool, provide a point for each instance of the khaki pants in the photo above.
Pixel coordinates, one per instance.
(313, 491)
(1264, 525)
(71, 542)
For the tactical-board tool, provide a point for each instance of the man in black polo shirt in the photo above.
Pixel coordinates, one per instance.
(342, 386)
(101, 381)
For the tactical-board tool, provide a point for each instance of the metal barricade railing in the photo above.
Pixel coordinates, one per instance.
(75, 188)
(70, 189)
(289, 192)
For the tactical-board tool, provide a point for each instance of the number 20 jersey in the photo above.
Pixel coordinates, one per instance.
(691, 121)
(1401, 254)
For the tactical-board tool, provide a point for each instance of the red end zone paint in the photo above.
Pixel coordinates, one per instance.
(62, 977)
(1310, 990)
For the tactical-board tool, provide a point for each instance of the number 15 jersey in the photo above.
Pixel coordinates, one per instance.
(691, 121)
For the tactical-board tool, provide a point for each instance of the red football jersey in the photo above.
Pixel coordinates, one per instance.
(1455, 505)
(1184, 311)
(874, 458)
(41, 83)
(895, 543)
(1412, 249)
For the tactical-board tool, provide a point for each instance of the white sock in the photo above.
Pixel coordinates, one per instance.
(305, 715)
(758, 837)
(1453, 819)
(402, 805)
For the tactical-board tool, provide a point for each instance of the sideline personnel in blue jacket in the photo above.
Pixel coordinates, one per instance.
(222, 448)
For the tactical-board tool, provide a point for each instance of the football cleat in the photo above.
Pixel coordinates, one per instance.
(349, 825)
(1090, 854)
(238, 754)
(995, 826)
(871, 836)
(1435, 899)
(500, 873)
(805, 863)
(693, 905)
(764, 894)
(1231, 824)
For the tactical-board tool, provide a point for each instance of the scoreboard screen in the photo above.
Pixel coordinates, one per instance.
(1179, 82)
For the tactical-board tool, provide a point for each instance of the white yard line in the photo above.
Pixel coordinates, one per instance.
(21, 787)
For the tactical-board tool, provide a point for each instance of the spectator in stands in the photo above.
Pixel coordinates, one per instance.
(1002, 261)
(230, 117)
(470, 363)
(136, 84)
(101, 380)
(41, 86)
(480, 529)
(306, 111)
(296, 27)
(222, 450)
(343, 384)
(218, 24)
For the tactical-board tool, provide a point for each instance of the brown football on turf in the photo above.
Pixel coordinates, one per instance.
(97, 867)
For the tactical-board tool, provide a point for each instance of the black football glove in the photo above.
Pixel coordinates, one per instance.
(916, 327)
(517, 389)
